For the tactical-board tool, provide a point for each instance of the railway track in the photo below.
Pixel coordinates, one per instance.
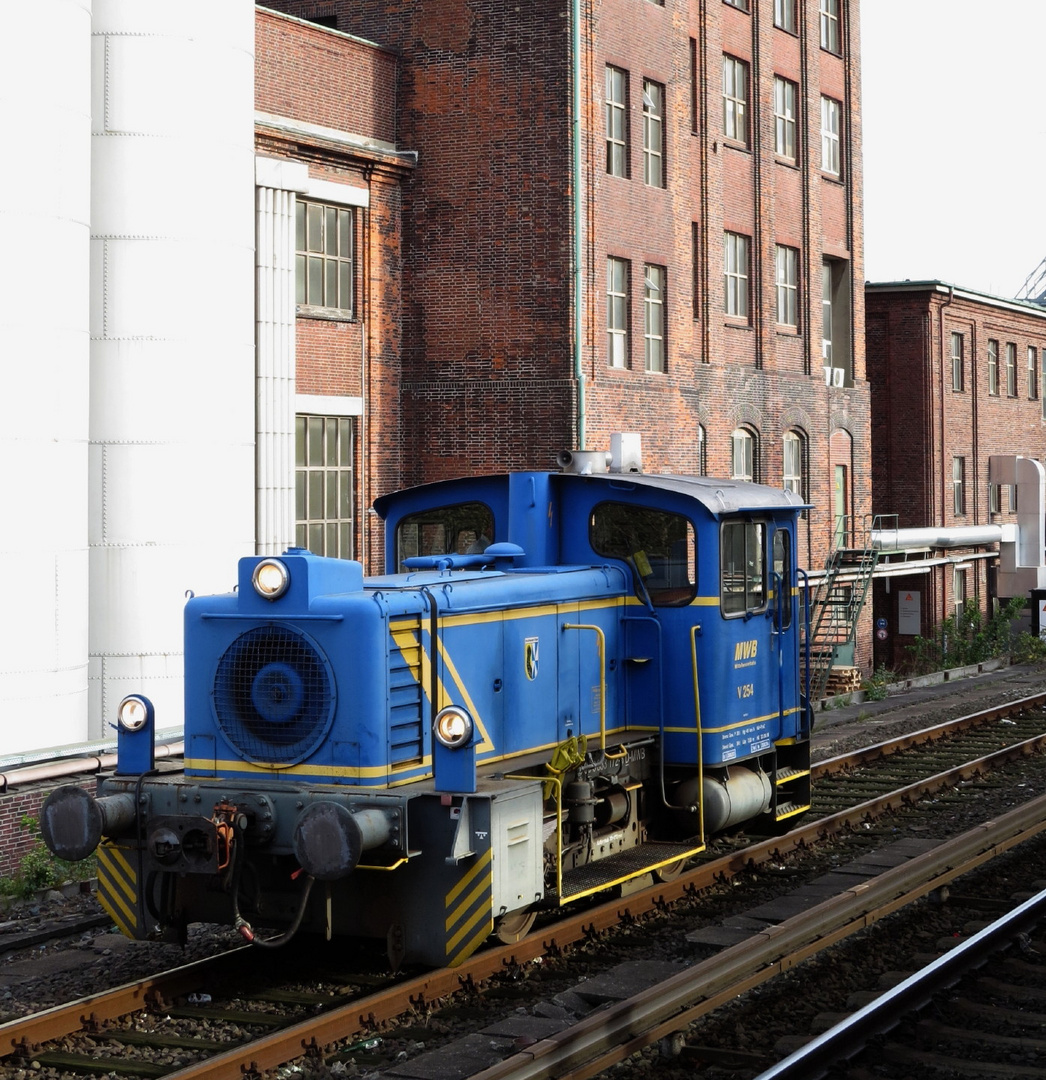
(270, 1032)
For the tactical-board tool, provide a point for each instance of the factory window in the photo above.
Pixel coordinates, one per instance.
(831, 130)
(993, 366)
(660, 547)
(617, 121)
(695, 263)
(1011, 369)
(694, 85)
(617, 312)
(787, 273)
(735, 275)
(830, 36)
(324, 256)
(735, 99)
(742, 580)
(653, 134)
(784, 15)
(742, 455)
(1011, 490)
(958, 589)
(959, 485)
(786, 94)
(654, 317)
(957, 364)
(742, 4)
(702, 451)
(994, 498)
(459, 529)
(1033, 373)
(793, 463)
(323, 485)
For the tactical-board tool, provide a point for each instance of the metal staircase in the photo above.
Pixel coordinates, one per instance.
(834, 610)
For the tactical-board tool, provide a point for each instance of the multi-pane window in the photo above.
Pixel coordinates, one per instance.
(785, 96)
(793, 463)
(323, 453)
(735, 275)
(957, 361)
(617, 121)
(993, 366)
(654, 317)
(787, 273)
(1011, 369)
(784, 15)
(653, 134)
(831, 130)
(324, 248)
(830, 37)
(959, 485)
(617, 312)
(1033, 373)
(959, 589)
(742, 454)
(702, 451)
(695, 264)
(735, 99)
(827, 311)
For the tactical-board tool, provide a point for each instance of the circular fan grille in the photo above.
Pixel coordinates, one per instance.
(273, 695)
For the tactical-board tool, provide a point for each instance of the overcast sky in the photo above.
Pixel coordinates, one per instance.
(954, 141)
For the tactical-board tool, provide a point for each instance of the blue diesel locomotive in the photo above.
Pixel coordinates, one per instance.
(565, 683)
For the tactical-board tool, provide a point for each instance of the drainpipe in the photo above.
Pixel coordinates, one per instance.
(944, 481)
(579, 375)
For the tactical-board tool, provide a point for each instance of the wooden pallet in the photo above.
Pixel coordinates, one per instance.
(843, 680)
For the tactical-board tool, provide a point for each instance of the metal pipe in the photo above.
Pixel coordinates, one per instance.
(579, 375)
(57, 770)
(957, 536)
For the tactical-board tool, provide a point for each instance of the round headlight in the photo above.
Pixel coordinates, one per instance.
(453, 727)
(133, 713)
(270, 579)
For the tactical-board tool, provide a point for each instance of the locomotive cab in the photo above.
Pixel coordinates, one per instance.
(563, 684)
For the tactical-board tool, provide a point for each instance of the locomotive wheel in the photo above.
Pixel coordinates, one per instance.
(671, 871)
(512, 928)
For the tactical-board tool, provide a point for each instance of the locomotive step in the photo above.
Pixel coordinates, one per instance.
(619, 868)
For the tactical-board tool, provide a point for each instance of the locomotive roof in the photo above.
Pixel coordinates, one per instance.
(718, 496)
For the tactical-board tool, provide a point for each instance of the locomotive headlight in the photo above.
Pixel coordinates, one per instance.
(453, 727)
(270, 579)
(133, 713)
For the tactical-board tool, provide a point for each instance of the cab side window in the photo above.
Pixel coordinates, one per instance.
(742, 576)
(461, 529)
(661, 548)
(783, 575)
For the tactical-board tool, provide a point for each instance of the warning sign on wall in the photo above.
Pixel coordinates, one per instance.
(909, 612)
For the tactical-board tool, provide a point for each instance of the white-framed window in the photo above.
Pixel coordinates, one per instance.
(959, 486)
(735, 275)
(959, 589)
(957, 361)
(784, 15)
(654, 317)
(653, 134)
(324, 256)
(793, 462)
(786, 94)
(735, 99)
(1011, 369)
(617, 312)
(827, 312)
(831, 133)
(742, 455)
(830, 35)
(1033, 373)
(786, 261)
(323, 485)
(617, 121)
(993, 367)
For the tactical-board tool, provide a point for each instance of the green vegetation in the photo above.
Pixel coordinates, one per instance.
(969, 638)
(39, 869)
(876, 686)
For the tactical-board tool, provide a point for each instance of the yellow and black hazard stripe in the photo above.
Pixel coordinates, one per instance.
(118, 886)
(469, 911)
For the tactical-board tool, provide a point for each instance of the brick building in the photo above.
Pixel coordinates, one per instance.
(956, 377)
(713, 208)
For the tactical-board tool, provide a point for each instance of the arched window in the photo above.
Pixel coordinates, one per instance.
(742, 455)
(794, 461)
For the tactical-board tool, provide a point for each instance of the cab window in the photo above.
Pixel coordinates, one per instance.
(660, 547)
(460, 529)
(742, 579)
(783, 575)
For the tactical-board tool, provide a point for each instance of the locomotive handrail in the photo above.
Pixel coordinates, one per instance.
(694, 631)
(601, 647)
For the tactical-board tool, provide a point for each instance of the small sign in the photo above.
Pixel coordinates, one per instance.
(909, 612)
(881, 634)
(880, 623)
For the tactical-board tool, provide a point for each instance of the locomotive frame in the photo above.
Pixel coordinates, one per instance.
(564, 684)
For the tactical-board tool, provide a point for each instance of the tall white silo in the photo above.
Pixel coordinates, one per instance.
(45, 100)
(172, 370)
